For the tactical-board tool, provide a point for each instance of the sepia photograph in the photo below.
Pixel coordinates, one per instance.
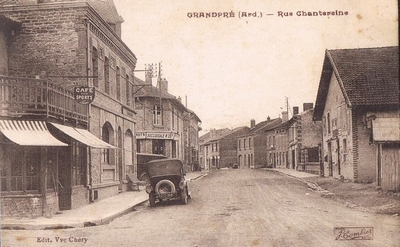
(208, 123)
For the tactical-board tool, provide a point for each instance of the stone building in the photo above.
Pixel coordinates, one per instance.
(81, 152)
(252, 147)
(277, 143)
(165, 126)
(304, 139)
(220, 149)
(208, 153)
(358, 104)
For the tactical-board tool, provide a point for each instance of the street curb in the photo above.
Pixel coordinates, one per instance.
(96, 222)
(199, 177)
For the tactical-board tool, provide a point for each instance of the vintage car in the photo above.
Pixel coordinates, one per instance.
(166, 181)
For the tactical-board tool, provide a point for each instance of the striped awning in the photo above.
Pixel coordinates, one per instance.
(28, 133)
(83, 136)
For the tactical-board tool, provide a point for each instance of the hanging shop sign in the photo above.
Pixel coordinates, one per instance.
(84, 95)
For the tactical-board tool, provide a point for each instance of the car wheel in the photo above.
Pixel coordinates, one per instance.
(184, 196)
(152, 199)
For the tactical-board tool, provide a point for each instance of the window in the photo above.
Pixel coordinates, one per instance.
(95, 67)
(3, 179)
(344, 150)
(157, 116)
(158, 146)
(244, 144)
(118, 83)
(312, 155)
(173, 118)
(16, 174)
(106, 138)
(240, 144)
(78, 164)
(138, 146)
(107, 75)
(22, 174)
(249, 143)
(328, 121)
(127, 91)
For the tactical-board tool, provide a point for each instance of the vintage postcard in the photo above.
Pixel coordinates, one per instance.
(199, 123)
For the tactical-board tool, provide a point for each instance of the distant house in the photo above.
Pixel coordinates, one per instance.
(165, 126)
(277, 143)
(304, 137)
(358, 104)
(220, 150)
(208, 150)
(251, 147)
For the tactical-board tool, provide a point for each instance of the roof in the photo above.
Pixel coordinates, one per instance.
(232, 132)
(366, 76)
(219, 132)
(150, 91)
(264, 126)
(107, 10)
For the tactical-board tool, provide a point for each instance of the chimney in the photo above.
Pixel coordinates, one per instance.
(308, 106)
(212, 133)
(268, 119)
(285, 116)
(164, 85)
(295, 110)
(252, 123)
(148, 79)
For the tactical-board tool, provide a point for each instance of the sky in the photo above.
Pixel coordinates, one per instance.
(232, 69)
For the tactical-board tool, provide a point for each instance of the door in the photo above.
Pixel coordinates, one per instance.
(64, 179)
(293, 159)
(330, 165)
(338, 155)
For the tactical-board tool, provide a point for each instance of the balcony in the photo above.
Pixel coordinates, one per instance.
(20, 97)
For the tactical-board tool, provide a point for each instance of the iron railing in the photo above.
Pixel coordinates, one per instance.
(27, 96)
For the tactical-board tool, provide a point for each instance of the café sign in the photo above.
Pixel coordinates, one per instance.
(84, 95)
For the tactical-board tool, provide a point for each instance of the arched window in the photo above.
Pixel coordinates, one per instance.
(118, 83)
(107, 136)
(95, 67)
(107, 75)
(127, 91)
(128, 147)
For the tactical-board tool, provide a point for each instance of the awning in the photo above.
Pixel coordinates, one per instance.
(29, 133)
(386, 130)
(83, 136)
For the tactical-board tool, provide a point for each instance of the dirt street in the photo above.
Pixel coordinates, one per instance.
(231, 208)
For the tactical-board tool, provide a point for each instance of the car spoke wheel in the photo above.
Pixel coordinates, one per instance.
(184, 196)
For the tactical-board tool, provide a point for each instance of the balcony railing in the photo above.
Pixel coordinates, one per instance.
(26, 96)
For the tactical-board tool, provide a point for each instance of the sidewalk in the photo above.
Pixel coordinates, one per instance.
(98, 213)
(363, 196)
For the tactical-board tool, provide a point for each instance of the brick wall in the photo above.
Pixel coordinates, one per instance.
(47, 41)
(21, 206)
(79, 197)
(367, 153)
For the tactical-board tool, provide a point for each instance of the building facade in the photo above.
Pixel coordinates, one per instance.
(358, 104)
(208, 148)
(165, 126)
(252, 147)
(304, 140)
(277, 144)
(71, 46)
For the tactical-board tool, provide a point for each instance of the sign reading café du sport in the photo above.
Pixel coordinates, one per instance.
(84, 95)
